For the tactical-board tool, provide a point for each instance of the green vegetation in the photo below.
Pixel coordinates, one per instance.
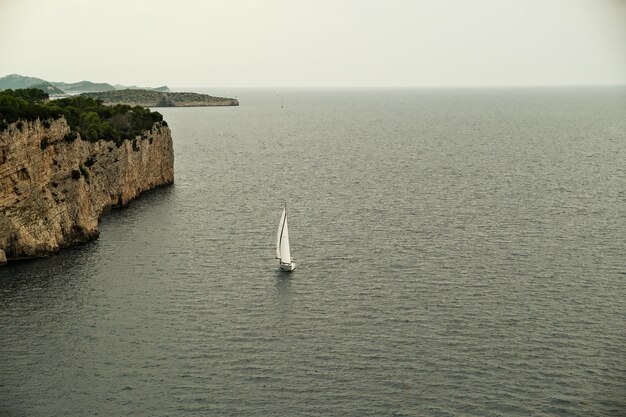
(82, 87)
(48, 88)
(86, 116)
(84, 172)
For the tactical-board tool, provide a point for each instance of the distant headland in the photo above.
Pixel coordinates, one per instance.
(150, 98)
(116, 94)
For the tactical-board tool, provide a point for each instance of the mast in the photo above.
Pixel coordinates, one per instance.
(280, 232)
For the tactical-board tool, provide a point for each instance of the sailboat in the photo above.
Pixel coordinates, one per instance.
(286, 263)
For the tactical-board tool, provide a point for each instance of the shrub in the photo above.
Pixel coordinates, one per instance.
(84, 172)
(89, 162)
(86, 116)
(70, 136)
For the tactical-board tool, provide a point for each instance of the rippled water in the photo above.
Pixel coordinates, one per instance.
(460, 253)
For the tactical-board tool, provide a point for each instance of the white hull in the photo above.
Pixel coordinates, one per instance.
(288, 267)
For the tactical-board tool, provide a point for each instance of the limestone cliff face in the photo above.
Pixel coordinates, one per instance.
(53, 191)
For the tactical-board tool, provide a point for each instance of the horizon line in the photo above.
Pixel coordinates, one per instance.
(402, 86)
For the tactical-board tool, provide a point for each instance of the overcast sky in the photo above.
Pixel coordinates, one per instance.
(273, 43)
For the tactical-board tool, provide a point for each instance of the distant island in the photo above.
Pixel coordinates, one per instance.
(151, 98)
(57, 89)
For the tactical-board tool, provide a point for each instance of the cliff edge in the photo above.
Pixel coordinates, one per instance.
(54, 188)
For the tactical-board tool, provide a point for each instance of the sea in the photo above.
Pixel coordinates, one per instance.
(460, 252)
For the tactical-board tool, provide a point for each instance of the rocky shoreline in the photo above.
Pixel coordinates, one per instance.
(53, 190)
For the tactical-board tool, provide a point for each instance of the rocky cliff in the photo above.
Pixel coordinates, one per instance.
(53, 191)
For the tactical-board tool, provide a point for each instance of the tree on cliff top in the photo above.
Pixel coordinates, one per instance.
(89, 117)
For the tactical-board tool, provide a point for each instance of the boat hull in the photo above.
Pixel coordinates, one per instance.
(288, 267)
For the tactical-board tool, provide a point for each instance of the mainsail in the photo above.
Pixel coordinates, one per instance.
(282, 239)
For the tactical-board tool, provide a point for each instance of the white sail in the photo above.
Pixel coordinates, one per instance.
(278, 234)
(282, 244)
(285, 254)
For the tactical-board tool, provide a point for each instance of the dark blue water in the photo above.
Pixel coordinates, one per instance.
(460, 253)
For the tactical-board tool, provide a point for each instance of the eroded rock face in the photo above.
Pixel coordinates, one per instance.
(53, 192)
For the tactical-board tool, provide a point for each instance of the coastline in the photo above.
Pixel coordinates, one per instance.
(53, 192)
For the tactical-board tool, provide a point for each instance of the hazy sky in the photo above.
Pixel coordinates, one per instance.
(239, 43)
